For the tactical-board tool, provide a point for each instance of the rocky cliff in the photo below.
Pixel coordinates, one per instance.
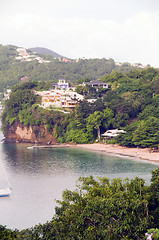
(32, 134)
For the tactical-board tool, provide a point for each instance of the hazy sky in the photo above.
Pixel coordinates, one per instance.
(125, 30)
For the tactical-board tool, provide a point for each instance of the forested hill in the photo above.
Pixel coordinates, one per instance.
(14, 68)
(131, 103)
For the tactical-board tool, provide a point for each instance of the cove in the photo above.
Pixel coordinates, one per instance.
(39, 176)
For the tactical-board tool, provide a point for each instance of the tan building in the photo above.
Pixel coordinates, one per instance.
(59, 98)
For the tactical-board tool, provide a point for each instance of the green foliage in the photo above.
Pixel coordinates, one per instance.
(7, 234)
(104, 210)
(95, 120)
(150, 110)
(154, 233)
(22, 106)
(143, 133)
(120, 120)
(78, 136)
(113, 76)
(11, 70)
(100, 209)
(154, 197)
(83, 124)
(18, 105)
(133, 97)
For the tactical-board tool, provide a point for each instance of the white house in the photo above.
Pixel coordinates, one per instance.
(112, 133)
(96, 83)
(62, 84)
(59, 98)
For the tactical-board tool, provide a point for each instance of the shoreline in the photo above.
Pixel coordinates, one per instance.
(136, 153)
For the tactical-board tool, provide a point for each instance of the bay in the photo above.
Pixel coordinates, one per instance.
(39, 176)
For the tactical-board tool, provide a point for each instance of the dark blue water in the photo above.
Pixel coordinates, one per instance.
(38, 177)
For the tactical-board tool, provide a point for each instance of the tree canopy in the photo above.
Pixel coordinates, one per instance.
(132, 104)
(13, 71)
(101, 209)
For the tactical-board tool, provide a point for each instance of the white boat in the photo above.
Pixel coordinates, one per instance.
(5, 192)
(30, 147)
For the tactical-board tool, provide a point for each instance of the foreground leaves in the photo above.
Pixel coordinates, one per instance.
(101, 209)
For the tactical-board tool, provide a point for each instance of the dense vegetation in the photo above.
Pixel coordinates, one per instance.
(98, 209)
(132, 104)
(23, 107)
(101, 209)
(12, 70)
(134, 101)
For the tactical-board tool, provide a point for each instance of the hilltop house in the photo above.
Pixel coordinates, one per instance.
(62, 84)
(96, 83)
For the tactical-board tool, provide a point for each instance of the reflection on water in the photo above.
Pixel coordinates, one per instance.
(56, 161)
(38, 176)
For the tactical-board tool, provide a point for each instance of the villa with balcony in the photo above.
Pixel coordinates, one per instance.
(59, 99)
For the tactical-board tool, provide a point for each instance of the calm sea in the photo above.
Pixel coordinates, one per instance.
(39, 176)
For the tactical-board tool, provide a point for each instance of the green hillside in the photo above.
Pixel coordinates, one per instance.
(131, 103)
(13, 70)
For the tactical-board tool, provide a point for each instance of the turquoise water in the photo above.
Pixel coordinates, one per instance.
(38, 177)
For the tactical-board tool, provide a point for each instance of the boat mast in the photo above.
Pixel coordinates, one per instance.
(5, 175)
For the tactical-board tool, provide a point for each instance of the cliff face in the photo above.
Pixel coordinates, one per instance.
(33, 134)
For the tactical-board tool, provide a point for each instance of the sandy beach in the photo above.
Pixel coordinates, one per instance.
(137, 153)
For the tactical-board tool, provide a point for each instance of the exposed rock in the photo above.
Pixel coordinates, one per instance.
(17, 132)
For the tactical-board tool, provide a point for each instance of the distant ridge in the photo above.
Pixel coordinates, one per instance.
(45, 51)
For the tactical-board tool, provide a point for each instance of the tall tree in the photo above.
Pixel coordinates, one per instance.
(97, 119)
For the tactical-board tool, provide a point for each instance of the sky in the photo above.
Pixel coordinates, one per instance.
(125, 30)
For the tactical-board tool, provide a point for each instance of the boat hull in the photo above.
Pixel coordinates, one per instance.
(5, 192)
